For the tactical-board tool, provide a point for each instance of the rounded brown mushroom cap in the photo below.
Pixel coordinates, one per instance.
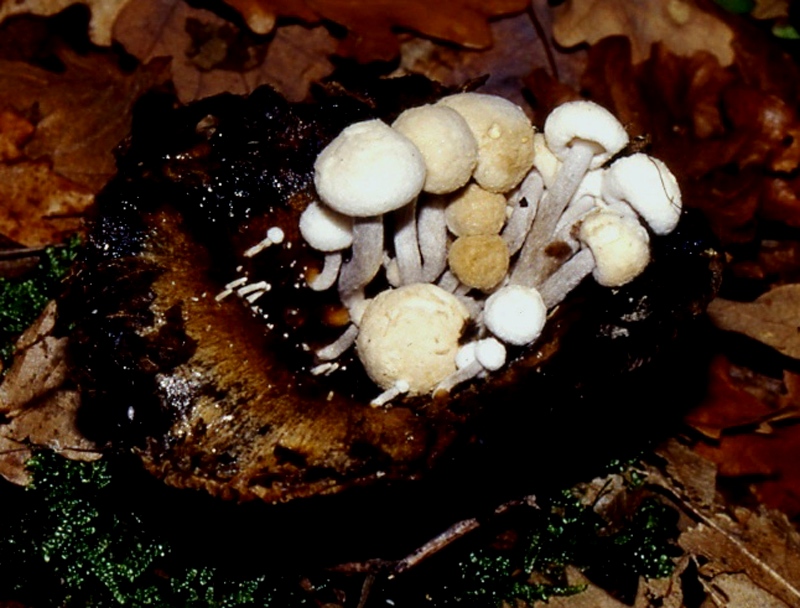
(504, 135)
(479, 261)
(474, 210)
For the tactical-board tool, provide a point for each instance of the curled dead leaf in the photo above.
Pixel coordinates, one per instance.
(39, 207)
(773, 318)
(680, 25)
(370, 26)
(38, 407)
(210, 55)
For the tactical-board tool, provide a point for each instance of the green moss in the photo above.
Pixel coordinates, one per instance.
(66, 542)
(22, 299)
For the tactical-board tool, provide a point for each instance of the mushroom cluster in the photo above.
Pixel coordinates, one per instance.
(490, 223)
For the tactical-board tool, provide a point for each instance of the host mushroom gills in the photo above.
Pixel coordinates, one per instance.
(476, 203)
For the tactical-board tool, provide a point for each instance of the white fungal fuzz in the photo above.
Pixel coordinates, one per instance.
(527, 218)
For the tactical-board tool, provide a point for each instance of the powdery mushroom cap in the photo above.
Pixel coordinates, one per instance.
(369, 169)
(515, 314)
(504, 135)
(647, 185)
(325, 229)
(411, 334)
(474, 210)
(479, 261)
(620, 245)
(586, 121)
(446, 143)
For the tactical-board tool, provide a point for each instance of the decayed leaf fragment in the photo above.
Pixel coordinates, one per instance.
(773, 318)
(210, 55)
(82, 113)
(370, 25)
(38, 407)
(746, 553)
(679, 25)
(103, 13)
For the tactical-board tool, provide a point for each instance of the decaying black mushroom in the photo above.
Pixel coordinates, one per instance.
(197, 336)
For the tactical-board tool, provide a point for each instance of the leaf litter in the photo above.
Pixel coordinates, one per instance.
(727, 92)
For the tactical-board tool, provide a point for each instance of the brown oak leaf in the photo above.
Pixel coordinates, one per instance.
(37, 405)
(79, 115)
(211, 55)
(680, 25)
(370, 25)
(773, 318)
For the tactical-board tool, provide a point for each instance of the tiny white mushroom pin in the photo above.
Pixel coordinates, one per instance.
(646, 184)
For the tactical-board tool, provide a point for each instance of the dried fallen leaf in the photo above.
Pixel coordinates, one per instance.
(370, 26)
(36, 406)
(679, 25)
(103, 13)
(39, 207)
(211, 55)
(770, 9)
(773, 318)
(82, 113)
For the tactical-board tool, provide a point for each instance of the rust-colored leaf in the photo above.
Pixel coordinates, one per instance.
(371, 26)
(211, 55)
(678, 24)
(39, 207)
(79, 115)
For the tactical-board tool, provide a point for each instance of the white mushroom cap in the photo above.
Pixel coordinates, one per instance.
(515, 314)
(411, 334)
(647, 185)
(504, 135)
(446, 143)
(585, 121)
(620, 245)
(369, 169)
(324, 229)
(491, 354)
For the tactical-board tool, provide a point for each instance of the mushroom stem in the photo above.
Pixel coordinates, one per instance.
(525, 202)
(457, 377)
(406, 246)
(400, 387)
(342, 343)
(432, 235)
(532, 267)
(566, 278)
(367, 256)
(330, 271)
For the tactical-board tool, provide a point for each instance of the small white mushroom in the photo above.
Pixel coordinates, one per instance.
(368, 170)
(329, 232)
(504, 135)
(446, 143)
(582, 135)
(411, 334)
(515, 314)
(646, 184)
(620, 246)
